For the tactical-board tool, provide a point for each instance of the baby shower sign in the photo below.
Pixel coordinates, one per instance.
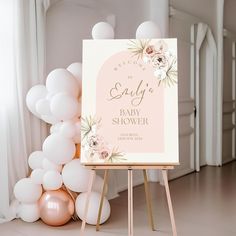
(129, 102)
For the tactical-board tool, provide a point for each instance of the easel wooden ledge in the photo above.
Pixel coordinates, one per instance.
(130, 168)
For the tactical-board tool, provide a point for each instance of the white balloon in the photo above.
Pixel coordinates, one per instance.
(52, 180)
(68, 129)
(75, 176)
(48, 165)
(27, 191)
(29, 212)
(56, 127)
(65, 107)
(59, 149)
(37, 175)
(94, 203)
(61, 80)
(77, 137)
(43, 107)
(148, 30)
(36, 159)
(50, 119)
(35, 94)
(76, 70)
(102, 30)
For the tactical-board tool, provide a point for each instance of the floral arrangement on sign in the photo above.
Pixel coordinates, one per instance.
(157, 54)
(95, 146)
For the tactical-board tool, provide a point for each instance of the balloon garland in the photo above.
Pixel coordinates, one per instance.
(56, 189)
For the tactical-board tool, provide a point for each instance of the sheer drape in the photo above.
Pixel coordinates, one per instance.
(22, 66)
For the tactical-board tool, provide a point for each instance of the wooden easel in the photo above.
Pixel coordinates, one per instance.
(130, 169)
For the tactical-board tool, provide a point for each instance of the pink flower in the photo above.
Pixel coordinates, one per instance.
(105, 153)
(149, 51)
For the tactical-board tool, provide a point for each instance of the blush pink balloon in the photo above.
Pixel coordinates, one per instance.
(56, 207)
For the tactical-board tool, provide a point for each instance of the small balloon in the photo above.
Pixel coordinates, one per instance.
(102, 30)
(29, 212)
(68, 129)
(148, 30)
(56, 127)
(76, 70)
(27, 191)
(36, 93)
(52, 180)
(56, 207)
(36, 159)
(37, 175)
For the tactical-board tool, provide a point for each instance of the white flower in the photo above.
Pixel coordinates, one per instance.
(94, 142)
(161, 46)
(160, 74)
(159, 60)
(146, 59)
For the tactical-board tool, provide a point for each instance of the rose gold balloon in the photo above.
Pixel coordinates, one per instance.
(56, 207)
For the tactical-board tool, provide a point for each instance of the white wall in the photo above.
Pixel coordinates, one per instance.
(203, 9)
(229, 15)
(70, 21)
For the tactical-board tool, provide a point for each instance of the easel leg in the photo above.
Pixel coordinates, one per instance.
(172, 218)
(130, 203)
(90, 185)
(148, 199)
(102, 200)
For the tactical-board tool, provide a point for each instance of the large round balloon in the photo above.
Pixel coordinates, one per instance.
(52, 180)
(58, 149)
(65, 107)
(61, 80)
(148, 30)
(56, 207)
(94, 203)
(27, 191)
(36, 159)
(75, 176)
(29, 212)
(102, 30)
(33, 96)
(37, 175)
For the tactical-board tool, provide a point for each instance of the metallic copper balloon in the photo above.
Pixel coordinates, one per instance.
(56, 207)
(77, 153)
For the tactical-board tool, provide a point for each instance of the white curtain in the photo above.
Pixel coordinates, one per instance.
(22, 62)
(204, 33)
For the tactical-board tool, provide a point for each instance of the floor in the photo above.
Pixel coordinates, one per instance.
(204, 205)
